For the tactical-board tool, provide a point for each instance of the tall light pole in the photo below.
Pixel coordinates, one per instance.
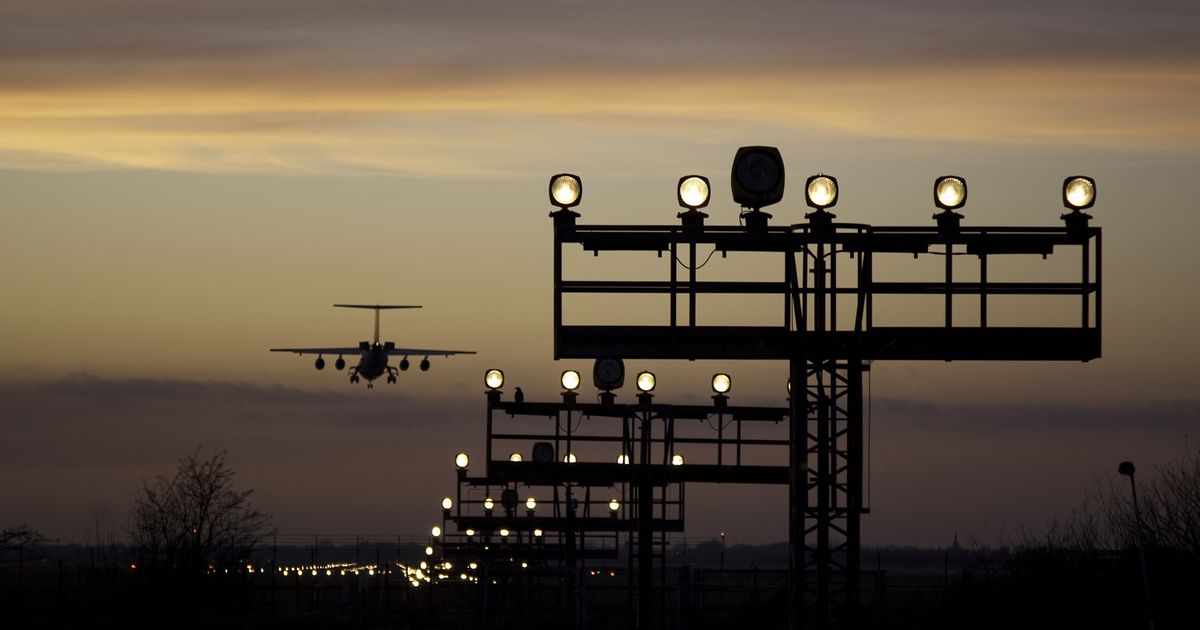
(1126, 468)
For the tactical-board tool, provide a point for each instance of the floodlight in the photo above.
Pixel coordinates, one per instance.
(565, 190)
(569, 458)
(949, 192)
(503, 531)
(543, 452)
(569, 380)
(821, 191)
(461, 460)
(614, 505)
(622, 459)
(470, 532)
(645, 382)
(537, 533)
(721, 383)
(436, 531)
(494, 379)
(677, 460)
(757, 177)
(429, 551)
(488, 504)
(447, 503)
(515, 457)
(530, 503)
(1079, 192)
(608, 373)
(693, 191)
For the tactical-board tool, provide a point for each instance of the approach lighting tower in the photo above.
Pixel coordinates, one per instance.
(830, 326)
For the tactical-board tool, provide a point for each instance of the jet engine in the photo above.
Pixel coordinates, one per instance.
(425, 364)
(320, 363)
(404, 364)
(340, 363)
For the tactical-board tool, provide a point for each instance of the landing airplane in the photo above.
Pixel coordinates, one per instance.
(372, 355)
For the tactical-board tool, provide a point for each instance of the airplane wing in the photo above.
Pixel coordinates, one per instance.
(419, 352)
(353, 351)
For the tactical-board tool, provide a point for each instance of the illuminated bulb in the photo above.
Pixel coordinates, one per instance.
(429, 551)
(622, 458)
(470, 532)
(531, 503)
(950, 192)
(721, 383)
(1079, 192)
(565, 190)
(494, 379)
(570, 380)
(515, 457)
(524, 565)
(822, 191)
(488, 504)
(503, 532)
(537, 533)
(614, 505)
(677, 460)
(473, 566)
(693, 192)
(645, 382)
(569, 458)
(461, 460)
(436, 531)
(447, 503)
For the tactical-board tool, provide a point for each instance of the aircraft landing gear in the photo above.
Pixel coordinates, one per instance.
(354, 378)
(391, 379)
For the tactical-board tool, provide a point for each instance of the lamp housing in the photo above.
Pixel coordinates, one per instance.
(693, 192)
(569, 380)
(949, 192)
(493, 379)
(821, 191)
(566, 190)
(721, 383)
(645, 382)
(757, 177)
(608, 373)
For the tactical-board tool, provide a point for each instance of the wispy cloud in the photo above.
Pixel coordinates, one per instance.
(370, 86)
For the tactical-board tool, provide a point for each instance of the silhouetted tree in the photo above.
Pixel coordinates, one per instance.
(196, 518)
(19, 537)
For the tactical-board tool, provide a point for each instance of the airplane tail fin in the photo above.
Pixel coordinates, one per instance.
(377, 308)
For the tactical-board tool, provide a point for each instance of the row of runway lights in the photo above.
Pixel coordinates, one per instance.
(757, 181)
(646, 381)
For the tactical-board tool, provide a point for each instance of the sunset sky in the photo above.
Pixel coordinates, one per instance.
(184, 185)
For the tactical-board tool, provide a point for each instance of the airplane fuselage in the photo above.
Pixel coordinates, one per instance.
(372, 363)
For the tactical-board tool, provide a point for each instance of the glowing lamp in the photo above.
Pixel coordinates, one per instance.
(447, 503)
(821, 191)
(569, 458)
(537, 533)
(429, 551)
(614, 505)
(565, 190)
(515, 457)
(436, 531)
(677, 460)
(622, 459)
(569, 380)
(461, 460)
(693, 191)
(530, 503)
(503, 532)
(949, 192)
(488, 504)
(645, 382)
(494, 379)
(1079, 192)
(721, 383)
